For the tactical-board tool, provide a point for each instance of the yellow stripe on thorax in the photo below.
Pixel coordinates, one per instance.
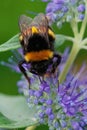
(34, 30)
(38, 56)
(50, 32)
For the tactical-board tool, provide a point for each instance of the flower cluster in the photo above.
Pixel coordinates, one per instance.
(61, 106)
(65, 10)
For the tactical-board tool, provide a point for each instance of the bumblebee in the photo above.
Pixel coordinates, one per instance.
(37, 41)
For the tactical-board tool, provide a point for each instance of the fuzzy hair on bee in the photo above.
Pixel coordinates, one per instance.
(37, 41)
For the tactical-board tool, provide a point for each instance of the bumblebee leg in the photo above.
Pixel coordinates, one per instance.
(40, 79)
(56, 61)
(58, 56)
(22, 69)
(58, 85)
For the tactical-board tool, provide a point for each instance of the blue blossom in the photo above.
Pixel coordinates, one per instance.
(45, 0)
(48, 111)
(81, 16)
(38, 94)
(11, 64)
(81, 8)
(49, 102)
(65, 10)
(13, 61)
(51, 116)
(58, 1)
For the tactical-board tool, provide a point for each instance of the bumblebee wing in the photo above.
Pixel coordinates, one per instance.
(40, 20)
(24, 22)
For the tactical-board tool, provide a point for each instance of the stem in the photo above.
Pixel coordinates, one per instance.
(84, 42)
(69, 38)
(74, 26)
(31, 128)
(83, 26)
(78, 44)
(84, 47)
(71, 58)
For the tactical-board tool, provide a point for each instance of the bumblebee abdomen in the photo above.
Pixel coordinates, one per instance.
(38, 55)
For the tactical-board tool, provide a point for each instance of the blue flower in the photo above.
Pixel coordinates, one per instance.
(65, 10)
(81, 8)
(45, 0)
(48, 111)
(81, 16)
(49, 102)
(58, 1)
(38, 94)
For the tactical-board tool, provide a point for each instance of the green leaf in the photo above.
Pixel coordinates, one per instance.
(15, 113)
(13, 43)
(60, 39)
